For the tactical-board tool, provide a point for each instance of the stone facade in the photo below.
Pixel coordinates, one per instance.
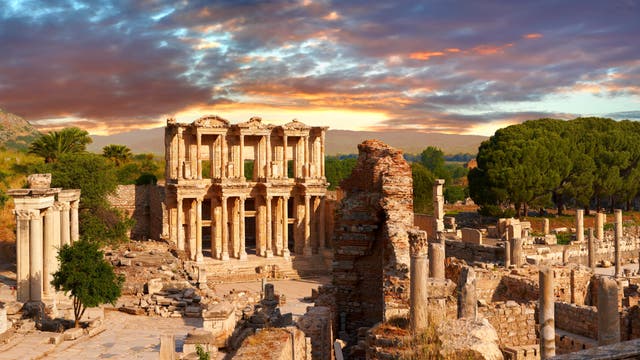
(144, 204)
(46, 219)
(371, 259)
(276, 210)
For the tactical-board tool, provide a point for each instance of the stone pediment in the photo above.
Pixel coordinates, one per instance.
(211, 121)
(295, 125)
(255, 123)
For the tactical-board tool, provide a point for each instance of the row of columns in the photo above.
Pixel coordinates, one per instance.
(600, 221)
(228, 233)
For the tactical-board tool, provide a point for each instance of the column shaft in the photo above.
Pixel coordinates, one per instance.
(35, 256)
(321, 226)
(591, 251)
(285, 231)
(179, 224)
(198, 156)
(269, 229)
(75, 222)
(418, 296)
(580, 225)
(600, 219)
(65, 224)
(242, 252)
(608, 315)
(268, 157)
(224, 255)
(547, 314)
(279, 225)
(436, 260)
(617, 241)
(307, 226)
(22, 256)
(198, 254)
(241, 164)
(49, 251)
(216, 230)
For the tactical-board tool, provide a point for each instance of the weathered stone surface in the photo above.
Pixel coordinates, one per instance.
(73, 334)
(468, 339)
(473, 236)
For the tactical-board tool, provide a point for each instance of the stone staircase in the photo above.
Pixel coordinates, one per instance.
(256, 267)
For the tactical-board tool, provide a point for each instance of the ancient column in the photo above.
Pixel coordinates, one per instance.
(467, 298)
(600, 220)
(546, 226)
(307, 226)
(179, 224)
(180, 155)
(75, 223)
(608, 315)
(167, 347)
(306, 168)
(436, 260)
(242, 252)
(315, 241)
(65, 224)
(268, 158)
(35, 255)
(279, 221)
(438, 205)
(322, 150)
(507, 254)
(241, 158)
(418, 286)
(516, 252)
(198, 255)
(224, 157)
(216, 230)
(22, 255)
(49, 250)
(591, 251)
(546, 314)
(224, 255)
(285, 165)
(285, 231)
(617, 240)
(269, 231)
(322, 227)
(235, 226)
(198, 156)
(580, 225)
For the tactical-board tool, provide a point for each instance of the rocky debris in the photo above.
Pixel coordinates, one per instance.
(468, 339)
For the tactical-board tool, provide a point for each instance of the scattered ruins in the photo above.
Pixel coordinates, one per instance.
(403, 285)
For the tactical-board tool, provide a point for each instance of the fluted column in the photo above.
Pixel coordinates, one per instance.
(75, 222)
(285, 167)
(198, 255)
(241, 156)
(279, 226)
(22, 255)
(617, 241)
(224, 255)
(306, 168)
(242, 252)
(580, 225)
(198, 156)
(180, 155)
(223, 156)
(65, 224)
(268, 156)
(322, 149)
(49, 251)
(269, 231)
(35, 256)
(285, 230)
(321, 225)
(179, 226)
(600, 220)
(216, 235)
(547, 314)
(418, 296)
(306, 251)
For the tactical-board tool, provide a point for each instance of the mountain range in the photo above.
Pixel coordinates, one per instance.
(16, 132)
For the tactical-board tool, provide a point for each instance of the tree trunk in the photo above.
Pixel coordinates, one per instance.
(526, 210)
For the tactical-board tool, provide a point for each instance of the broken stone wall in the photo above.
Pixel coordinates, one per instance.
(579, 320)
(371, 261)
(142, 203)
(515, 323)
(474, 252)
(275, 344)
(316, 324)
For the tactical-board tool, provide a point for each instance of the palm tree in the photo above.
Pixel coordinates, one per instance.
(68, 140)
(119, 154)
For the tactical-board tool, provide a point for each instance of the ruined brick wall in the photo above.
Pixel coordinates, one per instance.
(515, 323)
(142, 203)
(275, 344)
(371, 258)
(579, 320)
(316, 324)
(474, 252)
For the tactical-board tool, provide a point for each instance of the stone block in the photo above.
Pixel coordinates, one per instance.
(13, 307)
(154, 286)
(473, 236)
(4, 323)
(73, 334)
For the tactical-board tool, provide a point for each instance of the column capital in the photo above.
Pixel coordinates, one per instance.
(73, 205)
(64, 206)
(418, 242)
(22, 214)
(50, 210)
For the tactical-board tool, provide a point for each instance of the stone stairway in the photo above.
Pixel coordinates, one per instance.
(256, 267)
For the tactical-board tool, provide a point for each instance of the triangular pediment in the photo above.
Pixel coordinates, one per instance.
(211, 121)
(255, 123)
(295, 125)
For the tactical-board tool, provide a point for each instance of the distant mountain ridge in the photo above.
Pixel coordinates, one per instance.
(16, 132)
(337, 141)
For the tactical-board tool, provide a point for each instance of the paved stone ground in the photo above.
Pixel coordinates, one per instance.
(138, 337)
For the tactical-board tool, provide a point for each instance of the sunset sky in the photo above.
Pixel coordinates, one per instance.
(465, 67)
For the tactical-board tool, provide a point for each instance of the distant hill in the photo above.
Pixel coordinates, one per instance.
(338, 141)
(16, 132)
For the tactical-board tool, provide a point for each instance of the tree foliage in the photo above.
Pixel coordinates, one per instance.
(87, 277)
(548, 161)
(338, 168)
(118, 154)
(423, 181)
(56, 143)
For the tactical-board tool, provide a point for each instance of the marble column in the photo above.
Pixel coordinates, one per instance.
(438, 205)
(507, 254)
(546, 226)
(591, 251)
(198, 255)
(49, 250)
(322, 224)
(198, 155)
(307, 226)
(546, 314)
(75, 222)
(516, 252)
(65, 224)
(418, 296)
(322, 152)
(216, 230)
(180, 155)
(269, 231)
(467, 298)
(285, 231)
(306, 168)
(35, 255)
(436, 260)
(241, 161)
(580, 225)
(285, 165)
(224, 255)
(280, 223)
(600, 220)
(22, 255)
(608, 315)
(268, 157)
(179, 224)
(315, 238)
(224, 157)
(242, 252)
(617, 240)
(235, 226)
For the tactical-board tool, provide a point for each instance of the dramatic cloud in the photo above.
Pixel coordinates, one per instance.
(457, 66)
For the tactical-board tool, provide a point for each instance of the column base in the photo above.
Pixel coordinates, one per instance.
(224, 256)
(278, 252)
(286, 254)
(307, 251)
(243, 255)
(199, 258)
(268, 254)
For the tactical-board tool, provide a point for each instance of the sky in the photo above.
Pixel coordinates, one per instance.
(466, 67)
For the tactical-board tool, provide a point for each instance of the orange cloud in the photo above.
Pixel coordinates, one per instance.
(490, 50)
(332, 16)
(425, 55)
(532, 36)
(453, 50)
